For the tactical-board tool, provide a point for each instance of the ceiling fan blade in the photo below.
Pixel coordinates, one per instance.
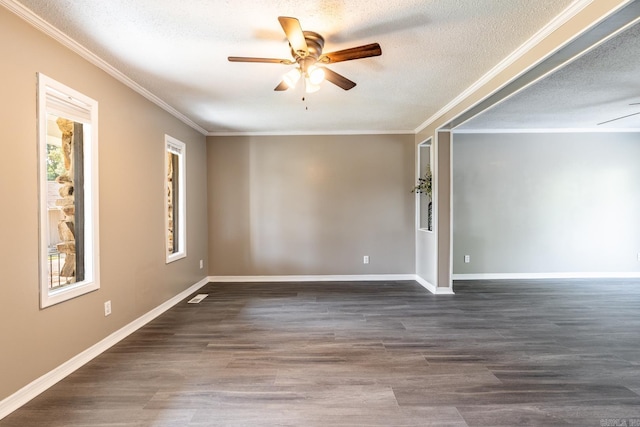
(365, 51)
(338, 79)
(264, 60)
(293, 31)
(619, 118)
(282, 86)
(635, 103)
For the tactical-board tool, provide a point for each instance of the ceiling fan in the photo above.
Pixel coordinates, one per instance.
(306, 50)
(622, 117)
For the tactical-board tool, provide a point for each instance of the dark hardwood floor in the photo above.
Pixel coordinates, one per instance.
(541, 353)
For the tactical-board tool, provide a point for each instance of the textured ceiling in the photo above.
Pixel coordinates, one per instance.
(432, 51)
(596, 87)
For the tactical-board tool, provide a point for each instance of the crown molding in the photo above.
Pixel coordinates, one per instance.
(40, 24)
(546, 130)
(315, 133)
(534, 40)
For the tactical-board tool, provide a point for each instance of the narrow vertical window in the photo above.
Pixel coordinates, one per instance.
(68, 187)
(425, 192)
(175, 199)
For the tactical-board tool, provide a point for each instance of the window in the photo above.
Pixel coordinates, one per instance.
(68, 191)
(425, 198)
(175, 200)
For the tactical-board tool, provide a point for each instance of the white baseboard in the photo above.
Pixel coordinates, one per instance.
(319, 278)
(525, 276)
(433, 288)
(33, 389)
(334, 278)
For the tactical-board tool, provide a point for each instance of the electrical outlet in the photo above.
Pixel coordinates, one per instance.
(467, 259)
(201, 264)
(107, 308)
(365, 259)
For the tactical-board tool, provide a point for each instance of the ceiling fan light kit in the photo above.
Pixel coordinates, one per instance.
(306, 50)
(313, 77)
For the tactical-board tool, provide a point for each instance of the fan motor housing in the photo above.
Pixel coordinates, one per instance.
(315, 43)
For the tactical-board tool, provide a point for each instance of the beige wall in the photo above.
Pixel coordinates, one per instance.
(546, 203)
(133, 271)
(310, 205)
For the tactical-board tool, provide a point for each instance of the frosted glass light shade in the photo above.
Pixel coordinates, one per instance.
(309, 86)
(291, 78)
(316, 75)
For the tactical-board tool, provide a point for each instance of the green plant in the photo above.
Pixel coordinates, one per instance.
(55, 162)
(424, 183)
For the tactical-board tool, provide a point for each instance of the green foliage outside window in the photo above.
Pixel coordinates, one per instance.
(55, 163)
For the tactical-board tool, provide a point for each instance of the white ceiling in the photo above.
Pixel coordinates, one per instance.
(432, 51)
(597, 87)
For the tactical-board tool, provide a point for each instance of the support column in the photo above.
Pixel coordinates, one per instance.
(443, 181)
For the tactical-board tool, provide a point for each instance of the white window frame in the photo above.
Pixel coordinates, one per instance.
(425, 147)
(178, 147)
(56, 98)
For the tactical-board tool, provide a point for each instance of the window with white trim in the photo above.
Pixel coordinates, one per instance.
(68, 192)
(425, 197)
(175, 199)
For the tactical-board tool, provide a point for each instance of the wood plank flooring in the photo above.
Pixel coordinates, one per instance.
(539, 353)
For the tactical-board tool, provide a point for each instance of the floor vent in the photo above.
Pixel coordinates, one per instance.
(197, 298)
